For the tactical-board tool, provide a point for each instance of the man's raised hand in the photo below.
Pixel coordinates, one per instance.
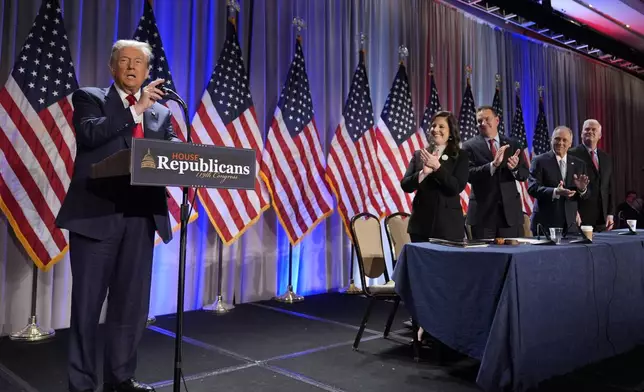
(149, 95)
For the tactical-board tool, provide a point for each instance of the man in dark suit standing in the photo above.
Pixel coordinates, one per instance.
(496, 163)
(557, 181)
(112, 223)
(597, 209)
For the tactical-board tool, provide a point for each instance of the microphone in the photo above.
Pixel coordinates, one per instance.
(547, 241)
(173, 96)
(564, 232)
(620, 216)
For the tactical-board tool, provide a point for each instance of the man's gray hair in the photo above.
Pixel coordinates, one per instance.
(130, 43)
(563, 127)
(592, 120)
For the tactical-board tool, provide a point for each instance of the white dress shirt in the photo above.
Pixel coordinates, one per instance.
(138, 118)
(497, 144)
(592, 151)
(561, 160)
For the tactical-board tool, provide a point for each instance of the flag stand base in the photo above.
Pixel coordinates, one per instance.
(219, 306)
(289, 297)
(353, 289)
(32, 332)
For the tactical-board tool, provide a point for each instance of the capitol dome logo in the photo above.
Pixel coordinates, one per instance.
(148, 161)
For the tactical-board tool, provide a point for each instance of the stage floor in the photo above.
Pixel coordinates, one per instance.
(269, 346)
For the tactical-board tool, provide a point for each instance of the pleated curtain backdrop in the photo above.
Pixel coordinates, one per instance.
(255, 267)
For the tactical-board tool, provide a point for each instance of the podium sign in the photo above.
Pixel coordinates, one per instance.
(154, 162)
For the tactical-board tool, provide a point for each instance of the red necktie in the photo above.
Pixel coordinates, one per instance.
(137, 132)
(593, 155)
(492, 147)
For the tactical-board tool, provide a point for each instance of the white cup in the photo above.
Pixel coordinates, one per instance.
(632, 223)
(588, 231)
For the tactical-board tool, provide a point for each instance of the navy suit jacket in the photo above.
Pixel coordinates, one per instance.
(544, 178)
(488, 191)
(600, 201)
(95, 207)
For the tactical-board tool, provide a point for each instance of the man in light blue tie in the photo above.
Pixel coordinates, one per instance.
(557, 181)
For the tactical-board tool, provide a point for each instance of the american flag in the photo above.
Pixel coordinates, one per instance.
(467, 126)
(293, 161)
(353, 172)
(37, 141)
(398, 139)
(518, 133)
(226, 117)
(541, 138)
(497, 104)
(147, 31)
(433, 106)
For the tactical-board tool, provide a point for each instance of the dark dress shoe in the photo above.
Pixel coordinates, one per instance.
(130, 385)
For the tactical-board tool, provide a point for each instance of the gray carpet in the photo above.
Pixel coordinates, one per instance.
(306, 346)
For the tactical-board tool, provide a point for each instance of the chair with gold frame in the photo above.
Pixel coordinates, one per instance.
(396, 229)
(367, 239)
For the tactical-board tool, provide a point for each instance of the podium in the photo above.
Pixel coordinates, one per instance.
(160, 163)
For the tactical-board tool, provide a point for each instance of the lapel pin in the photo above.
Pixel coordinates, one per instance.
(154, 114)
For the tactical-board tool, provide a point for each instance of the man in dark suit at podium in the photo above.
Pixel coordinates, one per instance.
(557, 181)
(496, 163)
(597, 209)
(112, 223)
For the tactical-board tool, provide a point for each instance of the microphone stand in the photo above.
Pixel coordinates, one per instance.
(185, 212)
(547, 241)
(583, 240)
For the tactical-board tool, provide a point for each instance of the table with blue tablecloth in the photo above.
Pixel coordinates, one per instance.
(528, 312)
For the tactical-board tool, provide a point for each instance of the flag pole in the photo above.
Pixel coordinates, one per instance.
(151, 319)
(353, 289)
(219, 306)
(290, 296)
(33, 332)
